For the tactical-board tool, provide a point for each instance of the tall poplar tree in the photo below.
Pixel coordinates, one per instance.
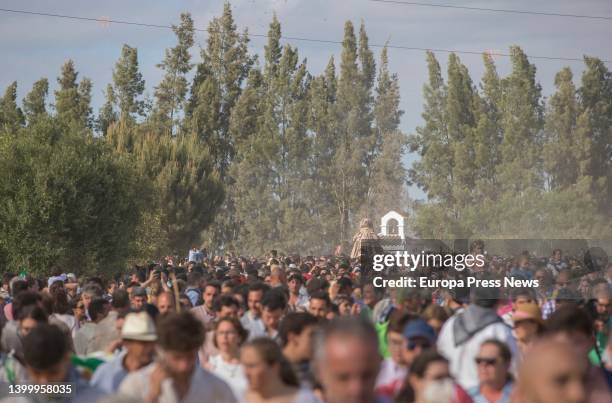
(128, 85)
(11, 116)
(34, 103)
(72, 99)
(172, 91)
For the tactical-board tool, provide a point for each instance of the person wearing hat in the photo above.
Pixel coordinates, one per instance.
(528, 324)
(418, 337)
(138, 337)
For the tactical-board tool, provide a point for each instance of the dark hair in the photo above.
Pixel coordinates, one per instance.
(569, 319)
(96, 308)
(24, 299)
(33, 312)
(322, 295)
(242, 332)
(295, 323)
(258, 286)
(45, 347)
(436, 312)
(224, 300)
(17, 287)
(271, 353)
(274, 299)
(121, 300)
(194, 278)
(422, 362)
(521, 292)
(398, 320)
(213, 283)
(59, 303)
(180, 332)
(504, 351)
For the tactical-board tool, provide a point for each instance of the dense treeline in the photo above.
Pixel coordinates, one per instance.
(254, 153)
(499, 161)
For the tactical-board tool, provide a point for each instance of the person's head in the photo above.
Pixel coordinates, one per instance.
(229, 334)
(541, 274)
(59, 298)
(274, 305)
(603, 303)
(427, 370)
(563, 279)
(98, 309)
(395, 335)
(418, 337)
(522, 296)
(78, 309)
(573, 324)
(179, 336)
(226, 305)
(46, 353)
(23, 300)
(120, 301)
(138, 298)
(295, 282)
(527, 319)
(370, 295)
(345, 304)
(552, 372)
(435, 316)
(263, 361)
(557, 254)
(165, 302)
(139, 336)
(255, 296)
(493, 363)
(319, 304)
(295, 333)
(29, 317)
(90, 291)
(346, 359)
(211, 290)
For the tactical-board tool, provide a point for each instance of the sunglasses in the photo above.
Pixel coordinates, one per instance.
(424, 345)
(485, 361)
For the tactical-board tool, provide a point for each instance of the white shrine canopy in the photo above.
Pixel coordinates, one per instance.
(392, 225)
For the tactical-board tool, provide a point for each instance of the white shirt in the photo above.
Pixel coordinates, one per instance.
(232, 373)
(203, 385)
(461, 358)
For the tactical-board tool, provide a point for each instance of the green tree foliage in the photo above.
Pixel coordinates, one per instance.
(216, 87)
(107, 114)
(72, 99)
(128, 84)
(67, 201)
(499, 162)
(11, 116)
(34, 104)
(172, 91)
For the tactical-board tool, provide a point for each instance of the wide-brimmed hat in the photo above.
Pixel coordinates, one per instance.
(138, 326)
(527, 312)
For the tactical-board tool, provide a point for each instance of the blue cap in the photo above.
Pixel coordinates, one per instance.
(419, 328)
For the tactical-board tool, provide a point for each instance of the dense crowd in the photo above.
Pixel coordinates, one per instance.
(308, 329)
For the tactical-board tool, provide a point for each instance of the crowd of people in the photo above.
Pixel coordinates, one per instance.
(308, 329)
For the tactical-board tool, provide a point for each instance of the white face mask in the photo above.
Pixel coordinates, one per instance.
(441, 391)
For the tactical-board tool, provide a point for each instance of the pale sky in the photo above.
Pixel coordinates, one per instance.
(34, 46)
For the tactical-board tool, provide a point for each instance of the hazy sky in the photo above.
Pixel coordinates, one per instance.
(34, 46)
